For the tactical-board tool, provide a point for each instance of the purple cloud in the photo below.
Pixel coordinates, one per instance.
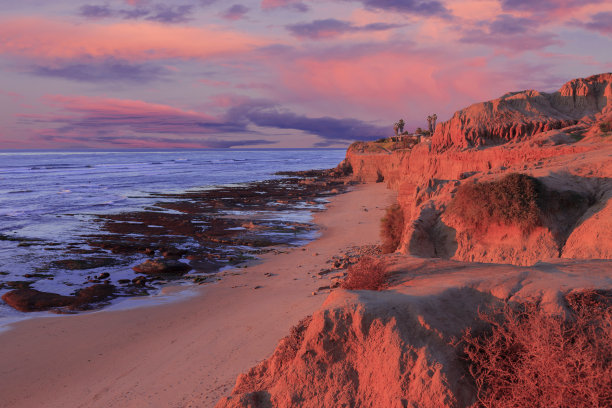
(162, 13)
(420, 7)
(93, 11)
(330, 129)
(105, 71)
(171, 14)
(101, 118)
(121, 141)
(601, 22)
(235, 12)
(543, 5)
(514, 33)
(332, 28)
(507, 25)
(294, 5)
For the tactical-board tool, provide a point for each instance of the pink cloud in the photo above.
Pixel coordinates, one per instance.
(96, 122)
(268, 4)
(112, 106)
(12, 96)
(411, 84)
(56, 39)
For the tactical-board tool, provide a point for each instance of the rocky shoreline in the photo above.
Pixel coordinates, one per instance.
(184, 237)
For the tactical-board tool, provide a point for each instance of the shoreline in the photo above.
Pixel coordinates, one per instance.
(188, 352)
(203, 232)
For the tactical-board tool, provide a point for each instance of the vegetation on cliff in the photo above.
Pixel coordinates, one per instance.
(368, 274)
(532, 358)
(391, 228)
(516, 199)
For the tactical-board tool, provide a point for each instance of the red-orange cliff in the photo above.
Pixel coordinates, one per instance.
(517, 116)
(397, 347)
(488, 140)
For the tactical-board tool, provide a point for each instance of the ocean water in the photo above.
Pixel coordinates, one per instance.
(54, 196)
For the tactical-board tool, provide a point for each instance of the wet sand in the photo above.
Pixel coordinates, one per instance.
(187, 353)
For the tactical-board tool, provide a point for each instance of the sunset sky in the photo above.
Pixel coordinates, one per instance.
(122, 74)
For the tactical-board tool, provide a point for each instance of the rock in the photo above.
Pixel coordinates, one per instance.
(592, 237)
(95, 293)
(32, 300)
(103, 275)
(326, 361)
(204, 265)
(80, 264)
(427, 179)
(162, 267)
(519, 115)
(402, 342)
(140, 280)
(16, 285)
(173, 253)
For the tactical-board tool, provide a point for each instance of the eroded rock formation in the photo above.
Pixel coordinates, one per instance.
(398, 348)
(519, 115)
(573, 159)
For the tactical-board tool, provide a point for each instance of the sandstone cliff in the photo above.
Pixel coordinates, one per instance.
(396, 348)
(519, 115)
(574, 160)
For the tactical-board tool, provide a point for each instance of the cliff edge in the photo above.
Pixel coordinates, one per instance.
(508, 205)
(488, 141)
(520, 115)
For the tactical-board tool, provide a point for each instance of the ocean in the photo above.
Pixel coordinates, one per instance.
(54, 197)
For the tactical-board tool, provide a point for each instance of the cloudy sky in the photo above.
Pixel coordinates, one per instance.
(115, 74)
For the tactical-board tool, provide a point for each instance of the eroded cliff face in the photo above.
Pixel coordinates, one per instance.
(575, 158)
(399, 347)
(520, 115)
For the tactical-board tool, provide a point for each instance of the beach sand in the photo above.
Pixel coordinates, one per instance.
(186, 353)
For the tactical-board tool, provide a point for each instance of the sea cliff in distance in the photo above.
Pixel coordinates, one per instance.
(498, 287)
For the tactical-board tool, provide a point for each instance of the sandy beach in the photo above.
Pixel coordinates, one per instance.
(187, 353)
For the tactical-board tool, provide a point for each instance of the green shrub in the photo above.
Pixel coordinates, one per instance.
(392, 228)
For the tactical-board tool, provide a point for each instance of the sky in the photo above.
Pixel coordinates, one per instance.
(188, 74)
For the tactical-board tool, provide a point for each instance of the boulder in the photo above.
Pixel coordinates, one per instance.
(32, 300)
(95, 293)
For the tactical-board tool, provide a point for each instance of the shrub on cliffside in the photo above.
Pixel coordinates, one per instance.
(369, 273)
(391, 229)
(516, 199)
(532, 359)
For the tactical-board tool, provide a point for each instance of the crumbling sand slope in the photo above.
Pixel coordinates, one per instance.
(395, 348)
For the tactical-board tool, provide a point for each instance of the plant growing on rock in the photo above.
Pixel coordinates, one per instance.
(392, 228)
(530, 358)
(516, 199)
(369, 274)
